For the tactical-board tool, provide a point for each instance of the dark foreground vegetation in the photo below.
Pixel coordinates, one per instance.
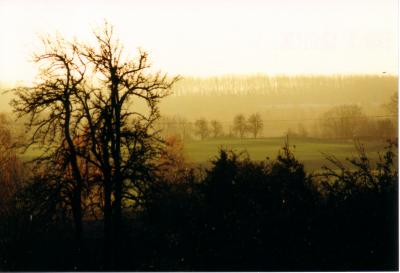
(237, 215)
(110, 193)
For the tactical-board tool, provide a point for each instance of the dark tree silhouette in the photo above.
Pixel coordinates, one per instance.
(201, 128)
(216, 128)
(70, 105)
(240, 125)
(255, 124)
(54, 116)
(393, 105)
(344, 121)
(114, 126)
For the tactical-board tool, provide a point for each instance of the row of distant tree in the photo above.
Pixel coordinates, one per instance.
(202, 128)
(334, 87)
(242, 126)
(350, 121)
(343, 121)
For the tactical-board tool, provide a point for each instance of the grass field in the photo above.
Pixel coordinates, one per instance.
(310, 151)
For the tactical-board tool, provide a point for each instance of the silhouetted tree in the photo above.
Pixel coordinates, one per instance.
(68, 104)
(53, 111)
(121, 138)
(360, 210)
(175, 125)
(240, 125)
(343, 121)
(255, 124)
(393, 105)
(216, 128)
(202, 129)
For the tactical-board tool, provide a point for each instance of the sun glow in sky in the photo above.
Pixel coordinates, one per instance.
(204, 38)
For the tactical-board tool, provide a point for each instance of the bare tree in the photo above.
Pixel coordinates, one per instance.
(202, 129)
(54, 116)
(240, 125)
(174, 125)
(216, 128)
(119, 135)
(255, 124)
(85, 95)
(393, 105)
(344, 121)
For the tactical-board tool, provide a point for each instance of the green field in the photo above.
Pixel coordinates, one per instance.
(310, 151)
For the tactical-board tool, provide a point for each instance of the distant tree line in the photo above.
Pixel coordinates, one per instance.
(212, 129)
(241, 127)
(339, 88)
(347, 121)
(350, 122)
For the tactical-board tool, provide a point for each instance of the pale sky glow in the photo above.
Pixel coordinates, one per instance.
(204, 38)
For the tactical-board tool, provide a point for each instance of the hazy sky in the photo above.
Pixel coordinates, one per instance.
(216, 37)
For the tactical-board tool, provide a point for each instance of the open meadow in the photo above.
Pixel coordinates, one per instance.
(309, 151)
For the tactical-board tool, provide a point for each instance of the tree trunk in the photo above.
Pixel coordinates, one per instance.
(116, 153)
(108, 231)
(117, 218)
(77, 192)
(77, 215)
